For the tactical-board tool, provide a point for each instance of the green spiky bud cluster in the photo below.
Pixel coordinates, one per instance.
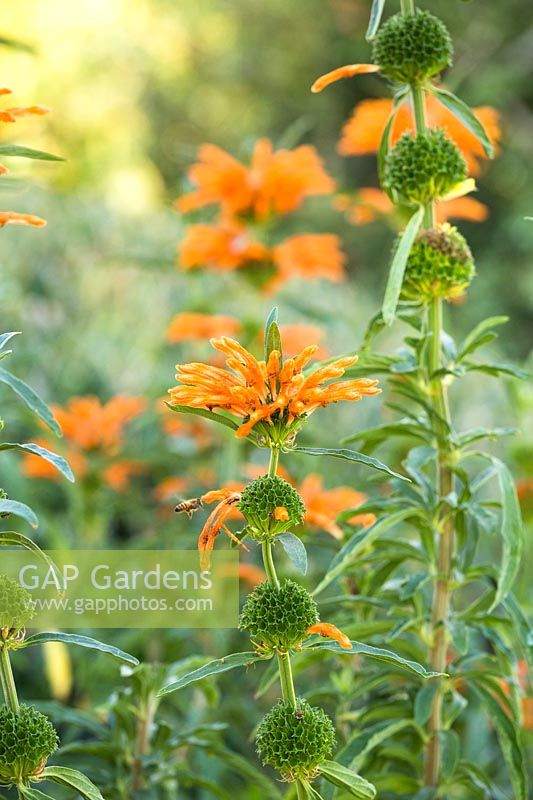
(270, 506)
(16, 607)
(412, 49)
(27, 739)
(278, 618)
(440, 264)
(423, 168)
(295, 740)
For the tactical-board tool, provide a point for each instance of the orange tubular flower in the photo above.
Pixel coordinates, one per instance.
(323, 506)
(14, 218)
(329, 631)
(275, 182)
(349, 71)
(226, 500)
(269, 400)
(196, 327)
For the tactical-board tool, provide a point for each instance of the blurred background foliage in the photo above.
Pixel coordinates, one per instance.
(135, 87)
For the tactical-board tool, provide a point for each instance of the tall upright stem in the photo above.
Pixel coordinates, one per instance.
(444, 479)
(7, 680)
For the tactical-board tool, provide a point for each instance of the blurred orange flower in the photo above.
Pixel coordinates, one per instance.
(90, 426)
(274, 183)
(170, 489)
(308, 256)
(251, 574)
(370, 204)
(14, 218)
(224, 246)
(192, 326)
(296, 336)
(361, 135)
(324, 505)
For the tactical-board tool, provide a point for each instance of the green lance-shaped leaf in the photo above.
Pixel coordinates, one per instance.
(310, 791)
(81, 641)
(466, 116)
(350, 455)
(508, 736)
(203, 412)
(60, 463)
(27, 152)
(72, 779)
(479, 335)
(295, 549)
(344, 778)
(272, 334)
(359, 542)
(19, 510)
(28, 793)
(512, 532)
(31, 398)
(377, 653)
(213, 668)
(399, 262)
(376, 12)
(12, 538)
(5, 337)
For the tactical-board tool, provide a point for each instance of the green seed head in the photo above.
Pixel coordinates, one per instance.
(412, 49)
(271, 506)
(295, 740)
(16, 607)
(440, 265)
(279, 618)
(27, 739)
(423, 168)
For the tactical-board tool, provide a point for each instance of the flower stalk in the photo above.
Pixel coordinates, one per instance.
(7, 680)
(444, 479)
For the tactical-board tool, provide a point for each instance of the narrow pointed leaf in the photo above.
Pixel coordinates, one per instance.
(350, 455)
(14, 539)
(28, 793)
(272, 334)
(5, 337)
(376, 12)
(31, 398)
(476, 336)
(19, 510)
(27, 152)
(72, 779)
(349, 552)
(377, 653)
(295, 549)
(81, 641)
(203, 412)
(344, 778)
(512, 532)
(397, 268)
(213, 668)
(466, 116)
(57, 461)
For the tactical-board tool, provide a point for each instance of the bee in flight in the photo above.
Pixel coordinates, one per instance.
(189, 506)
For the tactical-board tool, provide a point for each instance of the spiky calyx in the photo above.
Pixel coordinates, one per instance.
(440, 264)
(423, 168)
(16, 607)
(278, 618)
(412, 49)
(295, 740)
(271, 506)
(27, 740)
